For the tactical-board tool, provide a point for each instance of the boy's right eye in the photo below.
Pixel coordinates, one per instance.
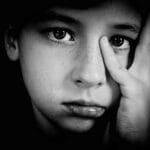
(60, 35)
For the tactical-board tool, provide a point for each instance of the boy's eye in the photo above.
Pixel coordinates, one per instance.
(120, 42)
(60, 35)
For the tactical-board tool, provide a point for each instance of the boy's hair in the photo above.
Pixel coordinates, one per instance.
(18, 11)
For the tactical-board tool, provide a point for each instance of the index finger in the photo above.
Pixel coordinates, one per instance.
(118, 73)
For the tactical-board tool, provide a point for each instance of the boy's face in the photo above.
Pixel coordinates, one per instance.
(63, 66)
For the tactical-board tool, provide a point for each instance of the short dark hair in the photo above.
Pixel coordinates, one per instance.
(17, 11)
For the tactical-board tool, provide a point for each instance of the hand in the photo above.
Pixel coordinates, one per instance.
(133, 115)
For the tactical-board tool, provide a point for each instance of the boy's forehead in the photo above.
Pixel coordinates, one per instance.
(102, 11)
(88, 5)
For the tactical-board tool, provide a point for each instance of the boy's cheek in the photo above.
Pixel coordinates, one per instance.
(47, 74)
(55, 80)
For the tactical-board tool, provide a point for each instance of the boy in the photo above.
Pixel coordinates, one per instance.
(78, 68)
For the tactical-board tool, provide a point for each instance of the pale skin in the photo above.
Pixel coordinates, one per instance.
(133, 119)
(50, 83)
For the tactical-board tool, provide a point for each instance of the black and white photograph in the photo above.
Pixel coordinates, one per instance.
(75, 74)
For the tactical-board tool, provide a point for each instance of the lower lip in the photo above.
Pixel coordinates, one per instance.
(86, 111)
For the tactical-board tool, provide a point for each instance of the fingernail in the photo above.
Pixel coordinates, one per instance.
(104, 38)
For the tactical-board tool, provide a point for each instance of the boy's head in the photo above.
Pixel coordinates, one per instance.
(61, 61)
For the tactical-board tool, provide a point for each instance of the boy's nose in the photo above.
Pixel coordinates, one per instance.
(90, 70)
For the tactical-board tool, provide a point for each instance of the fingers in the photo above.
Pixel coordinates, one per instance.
(145, 36)
(142, 54)
(143, 48)
(118, 73)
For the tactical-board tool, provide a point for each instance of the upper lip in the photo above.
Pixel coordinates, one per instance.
(84, 103)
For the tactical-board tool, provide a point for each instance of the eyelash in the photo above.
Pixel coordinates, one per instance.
(52, 31)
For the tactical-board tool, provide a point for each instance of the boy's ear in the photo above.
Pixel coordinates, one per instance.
(11, 44)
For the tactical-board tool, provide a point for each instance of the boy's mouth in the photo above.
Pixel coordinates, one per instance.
(84, 109)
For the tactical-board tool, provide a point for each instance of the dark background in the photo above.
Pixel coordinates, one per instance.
(17, 120)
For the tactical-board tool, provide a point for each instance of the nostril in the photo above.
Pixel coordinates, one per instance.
(90, 82)
(79, 82)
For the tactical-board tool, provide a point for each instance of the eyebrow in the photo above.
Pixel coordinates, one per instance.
(127, 26)
(55, 16)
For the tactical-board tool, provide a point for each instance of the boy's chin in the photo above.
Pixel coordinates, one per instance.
(71, 126)
(78, 125)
